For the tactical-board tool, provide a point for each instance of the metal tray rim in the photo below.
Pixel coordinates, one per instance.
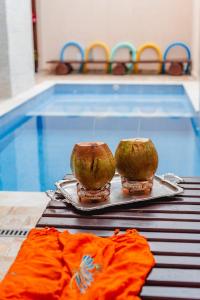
(68, 198)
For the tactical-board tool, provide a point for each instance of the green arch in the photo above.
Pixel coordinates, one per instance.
(121, 45)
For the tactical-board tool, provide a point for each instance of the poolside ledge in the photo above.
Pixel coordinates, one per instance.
(18, 210)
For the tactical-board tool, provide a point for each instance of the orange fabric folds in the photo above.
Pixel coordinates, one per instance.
(55, 265)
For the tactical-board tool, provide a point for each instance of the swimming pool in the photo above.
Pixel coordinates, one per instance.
(37, 137)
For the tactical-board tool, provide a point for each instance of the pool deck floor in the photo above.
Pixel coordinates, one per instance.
(21, 210)
(18, 210)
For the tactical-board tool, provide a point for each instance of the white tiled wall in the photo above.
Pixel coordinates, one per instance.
(16, 51)
(5, 85)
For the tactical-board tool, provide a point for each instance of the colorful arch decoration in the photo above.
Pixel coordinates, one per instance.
(92, 46)
(72, 44)
(177, 44)
(127, 45)
(147, 46)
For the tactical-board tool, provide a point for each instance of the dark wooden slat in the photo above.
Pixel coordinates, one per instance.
(179, 262)
(151, 236)
(164, 208)
(169, 237)
(190, 186)
(174, 277)
(175, 248)
(169, 207)
(145, 225)
(128, 215)
(180, 201)
(169, 201)
(190, 193)
(169, 293)
(189, 199)
(189, 180)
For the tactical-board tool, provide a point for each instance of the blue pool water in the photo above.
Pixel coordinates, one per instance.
(36, 139)
(115, 100)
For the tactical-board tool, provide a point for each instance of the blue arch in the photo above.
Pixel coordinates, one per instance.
(124, 45)
(180, 44)
(73, 44)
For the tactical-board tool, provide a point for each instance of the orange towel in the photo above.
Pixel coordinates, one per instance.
(54, 265)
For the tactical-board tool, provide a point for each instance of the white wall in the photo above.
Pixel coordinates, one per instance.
(137, 21)
(5, 84)
(16, 50)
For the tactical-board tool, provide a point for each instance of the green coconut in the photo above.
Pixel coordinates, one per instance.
(136, 159)
(92, 164)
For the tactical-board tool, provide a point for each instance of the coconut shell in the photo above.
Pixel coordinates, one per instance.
(136, 159)
(92, 164)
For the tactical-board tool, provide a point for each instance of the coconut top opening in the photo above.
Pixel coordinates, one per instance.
(89, 144)
(142, 140)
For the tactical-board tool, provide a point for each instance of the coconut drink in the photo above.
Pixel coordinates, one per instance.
(136, 162)
(93, 165)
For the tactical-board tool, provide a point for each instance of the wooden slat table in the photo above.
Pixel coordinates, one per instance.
(172, 227)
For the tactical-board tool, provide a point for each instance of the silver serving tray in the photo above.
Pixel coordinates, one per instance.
(161, 188)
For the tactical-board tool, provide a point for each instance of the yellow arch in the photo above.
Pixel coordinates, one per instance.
(147, 46)
(94, 45)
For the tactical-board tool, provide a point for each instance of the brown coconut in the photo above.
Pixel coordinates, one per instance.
(92, 164)
(136, 159)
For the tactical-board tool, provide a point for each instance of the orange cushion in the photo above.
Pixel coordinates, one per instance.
(55, 265)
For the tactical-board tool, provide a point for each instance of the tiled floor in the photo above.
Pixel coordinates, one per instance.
(18, 210)
(43, 76)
